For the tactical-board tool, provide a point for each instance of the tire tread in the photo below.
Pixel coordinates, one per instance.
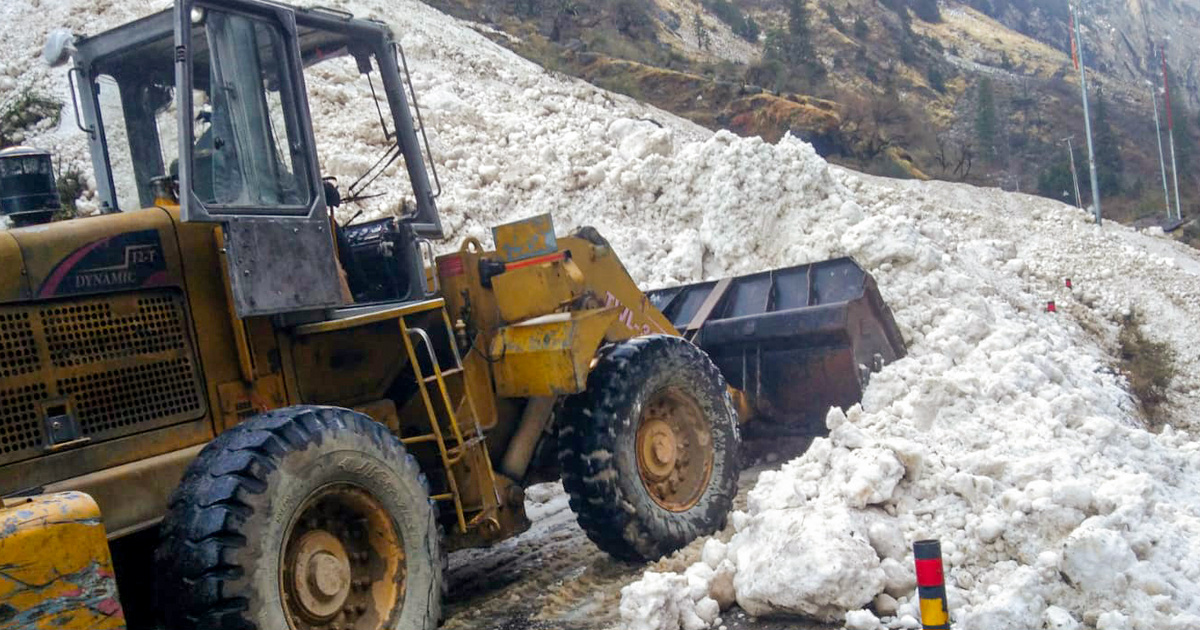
(590, 423)
(200, 531)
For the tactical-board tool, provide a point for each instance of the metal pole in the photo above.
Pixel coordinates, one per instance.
(1174, 174)
(1162, 166)
(1171, 136)
(931, 585)
(1075, 177)
(1087, 120)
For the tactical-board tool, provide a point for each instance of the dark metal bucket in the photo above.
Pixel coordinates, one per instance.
(796, 341)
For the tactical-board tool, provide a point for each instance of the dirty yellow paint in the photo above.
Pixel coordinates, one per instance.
(548, 356)
(525, 238)
(536, 289)
(55, 567)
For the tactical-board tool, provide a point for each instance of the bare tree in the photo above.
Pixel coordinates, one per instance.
(966, 156)
(861, 122)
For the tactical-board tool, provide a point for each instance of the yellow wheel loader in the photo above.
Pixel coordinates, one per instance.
(221, 409)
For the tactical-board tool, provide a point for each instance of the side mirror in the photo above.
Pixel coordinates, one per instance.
(59, 45)
(333, 198)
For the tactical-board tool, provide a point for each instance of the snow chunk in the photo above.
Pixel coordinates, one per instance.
(867, 476)
(658, 600)
(713, 553)
(1096, 559)
(638, 139)
(1057, 618)
(1017, 604)
(813, 569)
(861, 620)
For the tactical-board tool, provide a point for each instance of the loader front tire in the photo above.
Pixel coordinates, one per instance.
(301, 518)
(649, 450)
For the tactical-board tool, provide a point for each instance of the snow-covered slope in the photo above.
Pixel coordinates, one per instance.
(1005, 433)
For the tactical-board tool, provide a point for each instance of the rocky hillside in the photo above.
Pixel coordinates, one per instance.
(982, 91)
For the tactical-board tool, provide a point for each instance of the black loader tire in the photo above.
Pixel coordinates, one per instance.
(270, 500)
(599, 435)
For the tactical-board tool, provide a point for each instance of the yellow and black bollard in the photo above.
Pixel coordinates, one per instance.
(931, 585)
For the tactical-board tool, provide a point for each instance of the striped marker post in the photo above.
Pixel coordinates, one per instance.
(931, 585)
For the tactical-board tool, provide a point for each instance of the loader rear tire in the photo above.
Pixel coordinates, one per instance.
(301, 518)
(649, 450)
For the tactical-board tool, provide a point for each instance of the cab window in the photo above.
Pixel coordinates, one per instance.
(247, 150)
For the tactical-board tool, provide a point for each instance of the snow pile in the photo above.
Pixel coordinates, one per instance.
(691, 600)
(1005, 433)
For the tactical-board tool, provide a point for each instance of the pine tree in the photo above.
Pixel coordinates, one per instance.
(860, 27)
(800, 43)
(703, 37)
(1185, 146)
(750, 31)
(527, 8)
(926, 10)
(1109, 165)
(564, 11)
(1056, 183)
(936, 80)
(985, 119)
(835, 20)
(794, 46)
(633, 19)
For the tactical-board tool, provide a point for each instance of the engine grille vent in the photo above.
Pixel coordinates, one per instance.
(18, 350)
(123, 363)
(108, 402)
(21, 428)
(80, 334)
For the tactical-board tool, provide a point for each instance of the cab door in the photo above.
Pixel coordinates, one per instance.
(247, 158)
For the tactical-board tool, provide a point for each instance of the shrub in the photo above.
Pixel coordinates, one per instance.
(834, 19)
(927, 10)
(29, 109)
(860, 27)
(741, 24)
(71, 183)
(1149, 366)
(936, 80)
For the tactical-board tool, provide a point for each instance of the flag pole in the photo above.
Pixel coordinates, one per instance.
(1171, 137)
(1075, 177)
(1087, 120)
(1162, 165)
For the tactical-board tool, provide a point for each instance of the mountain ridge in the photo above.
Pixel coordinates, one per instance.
(904, 77)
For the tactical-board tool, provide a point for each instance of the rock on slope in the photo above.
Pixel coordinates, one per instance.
(1005, 433)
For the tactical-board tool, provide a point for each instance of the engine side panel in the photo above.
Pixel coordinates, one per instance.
(118, 252)
(13, 281)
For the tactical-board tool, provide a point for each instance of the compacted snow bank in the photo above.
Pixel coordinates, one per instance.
(1005, 433)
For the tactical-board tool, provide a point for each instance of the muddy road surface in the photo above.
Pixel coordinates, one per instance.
(552, 577)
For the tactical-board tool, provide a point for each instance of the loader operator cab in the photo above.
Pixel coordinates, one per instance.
(206, 108)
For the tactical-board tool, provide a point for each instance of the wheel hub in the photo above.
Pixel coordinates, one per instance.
(344, 564)
(322, 574)
(658, 449)
(673, 450)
